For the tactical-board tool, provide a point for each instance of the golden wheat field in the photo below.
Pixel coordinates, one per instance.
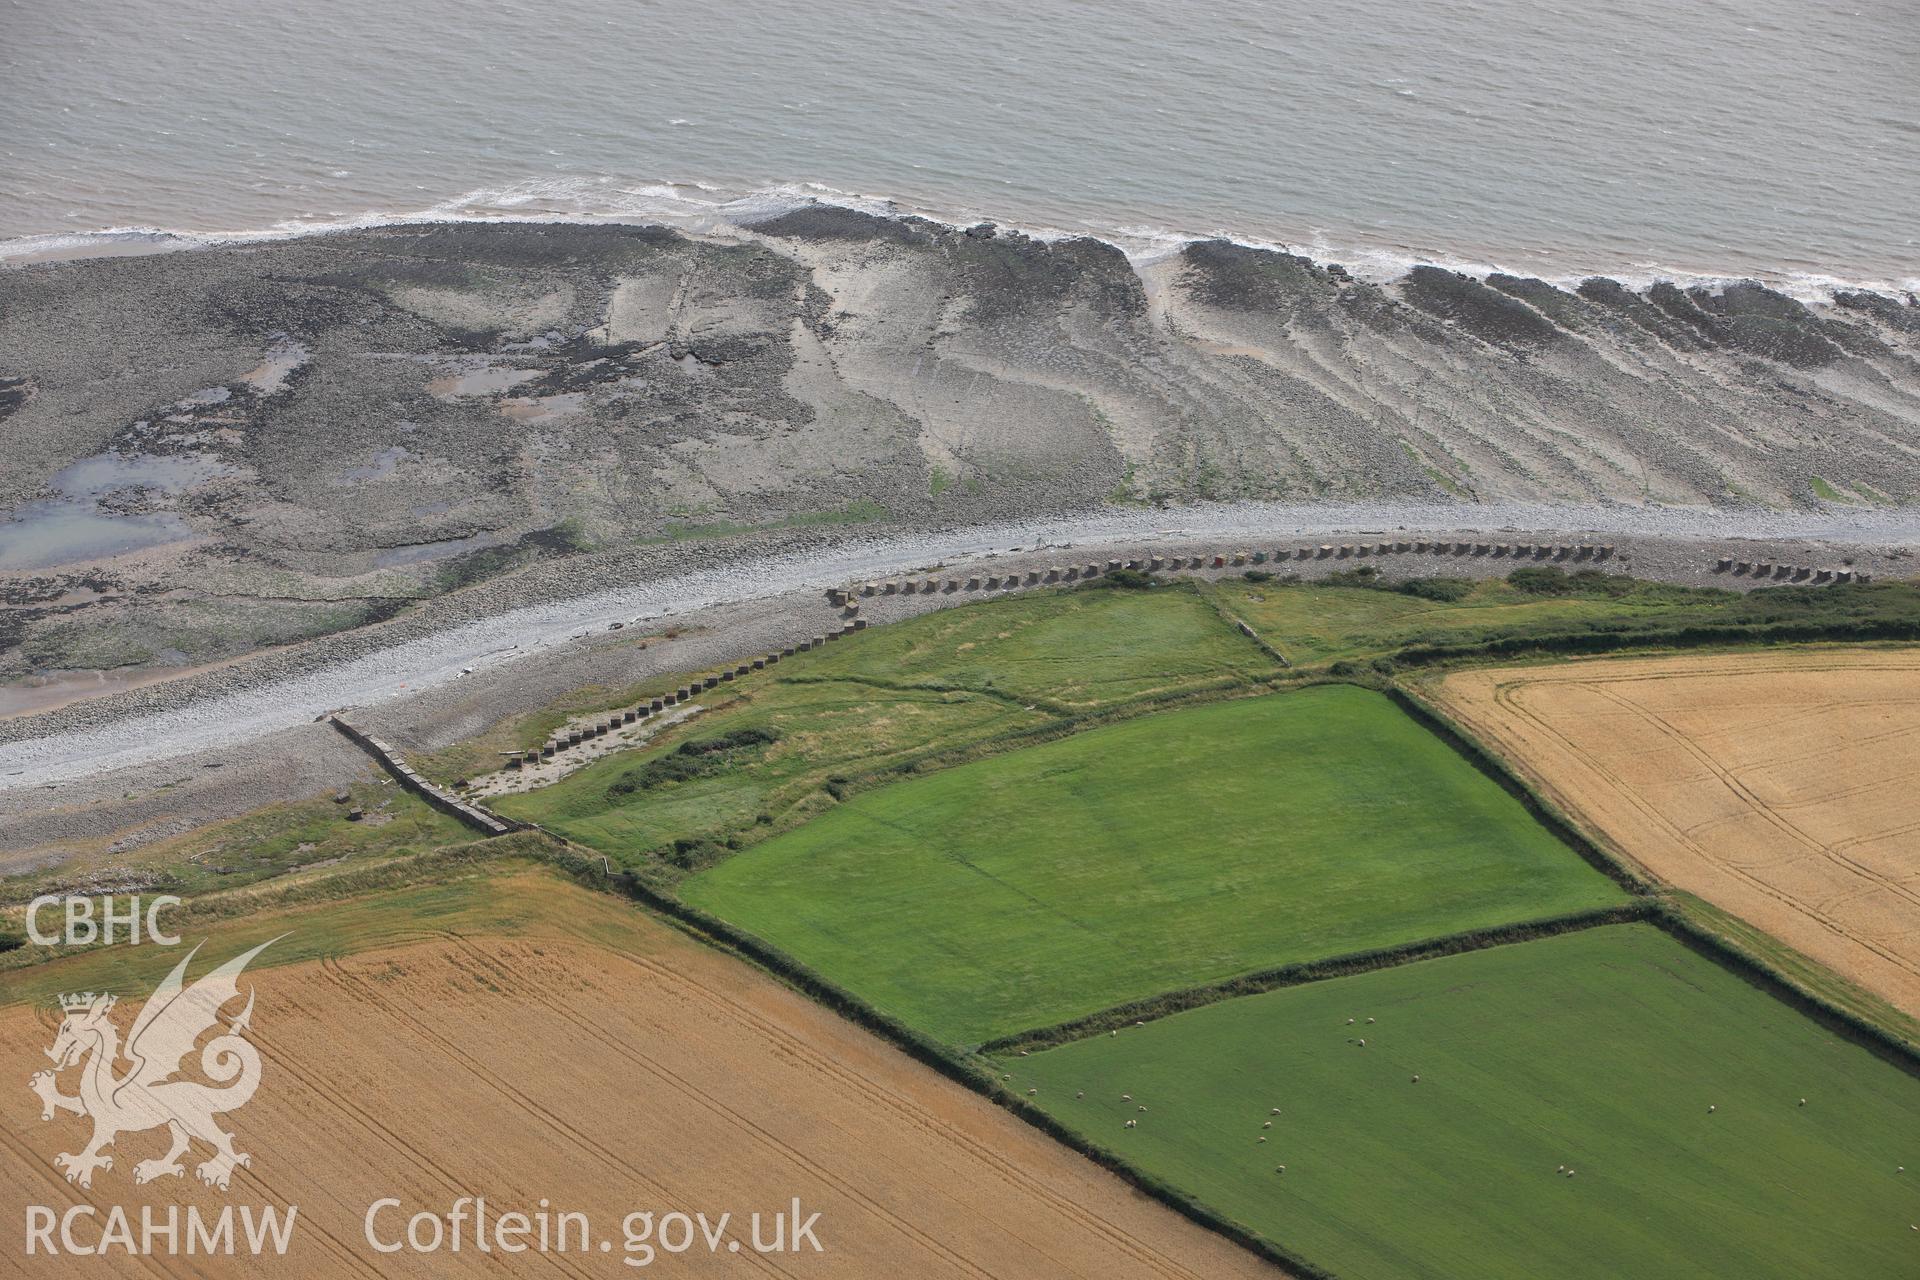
(595, 1059)
(1782, 787)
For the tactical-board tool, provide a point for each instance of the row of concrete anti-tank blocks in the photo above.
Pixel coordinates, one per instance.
(849, 596)
(1786, 572)
(686, 693)
(410, 778)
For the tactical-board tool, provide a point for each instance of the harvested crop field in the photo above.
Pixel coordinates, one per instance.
(524, 1039)
(1777, 786)
(1428, 1115)
(1163, 852)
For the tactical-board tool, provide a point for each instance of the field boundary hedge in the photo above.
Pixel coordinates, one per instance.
(971, 1070)
(587, 868)
(1549, 815)
(938, 759)
(1300, 973)
(1877, 1040)
(1882, 1041)
(1208, 592)
(1691, 636)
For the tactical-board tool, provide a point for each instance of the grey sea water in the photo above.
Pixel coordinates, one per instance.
(1778, 138)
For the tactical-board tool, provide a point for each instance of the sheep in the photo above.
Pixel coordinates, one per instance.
(1416, 1079)
(1267, 1125)
(1280, 1168)
(1362, 1043)
(1141, 1108)
(1349, 1021)
(1710, 1109)
(1803, 1102)
(1263, 1138)
(1081, 1094)
(1274, 1112)
(1133, 1124)
(1031, 1092)
(1369, 1021)
(1126, 1097)
(1560, 1168)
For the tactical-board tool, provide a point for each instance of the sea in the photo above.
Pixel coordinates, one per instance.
(1687, 139)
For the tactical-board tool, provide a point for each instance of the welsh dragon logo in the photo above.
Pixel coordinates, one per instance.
(149, 1093)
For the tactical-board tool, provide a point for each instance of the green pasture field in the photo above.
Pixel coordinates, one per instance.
(1075, 649)
(1313, 624)
(1601, 1051)
(941, 683)
(1147, 856)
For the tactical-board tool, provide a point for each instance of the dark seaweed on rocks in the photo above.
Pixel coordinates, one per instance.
(1755, 319)
(13, 394)
(831, 222)
(1017, 275)
(1242, 278)
(1287, 287)
(1902, 314)
(1639, 311)
(387, 415)
(1485, 313)
(1556, 304)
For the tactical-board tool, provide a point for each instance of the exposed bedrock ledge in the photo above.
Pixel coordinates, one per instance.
(486, 396)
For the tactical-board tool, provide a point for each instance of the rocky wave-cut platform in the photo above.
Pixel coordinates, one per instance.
(354, 422)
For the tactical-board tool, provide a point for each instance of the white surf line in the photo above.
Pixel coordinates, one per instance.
(735, 214)
(231, 720)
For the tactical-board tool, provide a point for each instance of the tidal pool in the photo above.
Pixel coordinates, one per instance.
(74, 526)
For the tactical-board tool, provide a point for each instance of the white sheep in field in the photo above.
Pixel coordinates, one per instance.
(1267, 1125)
(1274, 1112)
(1031, 1092)
(1126, 1097)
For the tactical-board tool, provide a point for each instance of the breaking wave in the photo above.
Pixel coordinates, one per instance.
(704, 209)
